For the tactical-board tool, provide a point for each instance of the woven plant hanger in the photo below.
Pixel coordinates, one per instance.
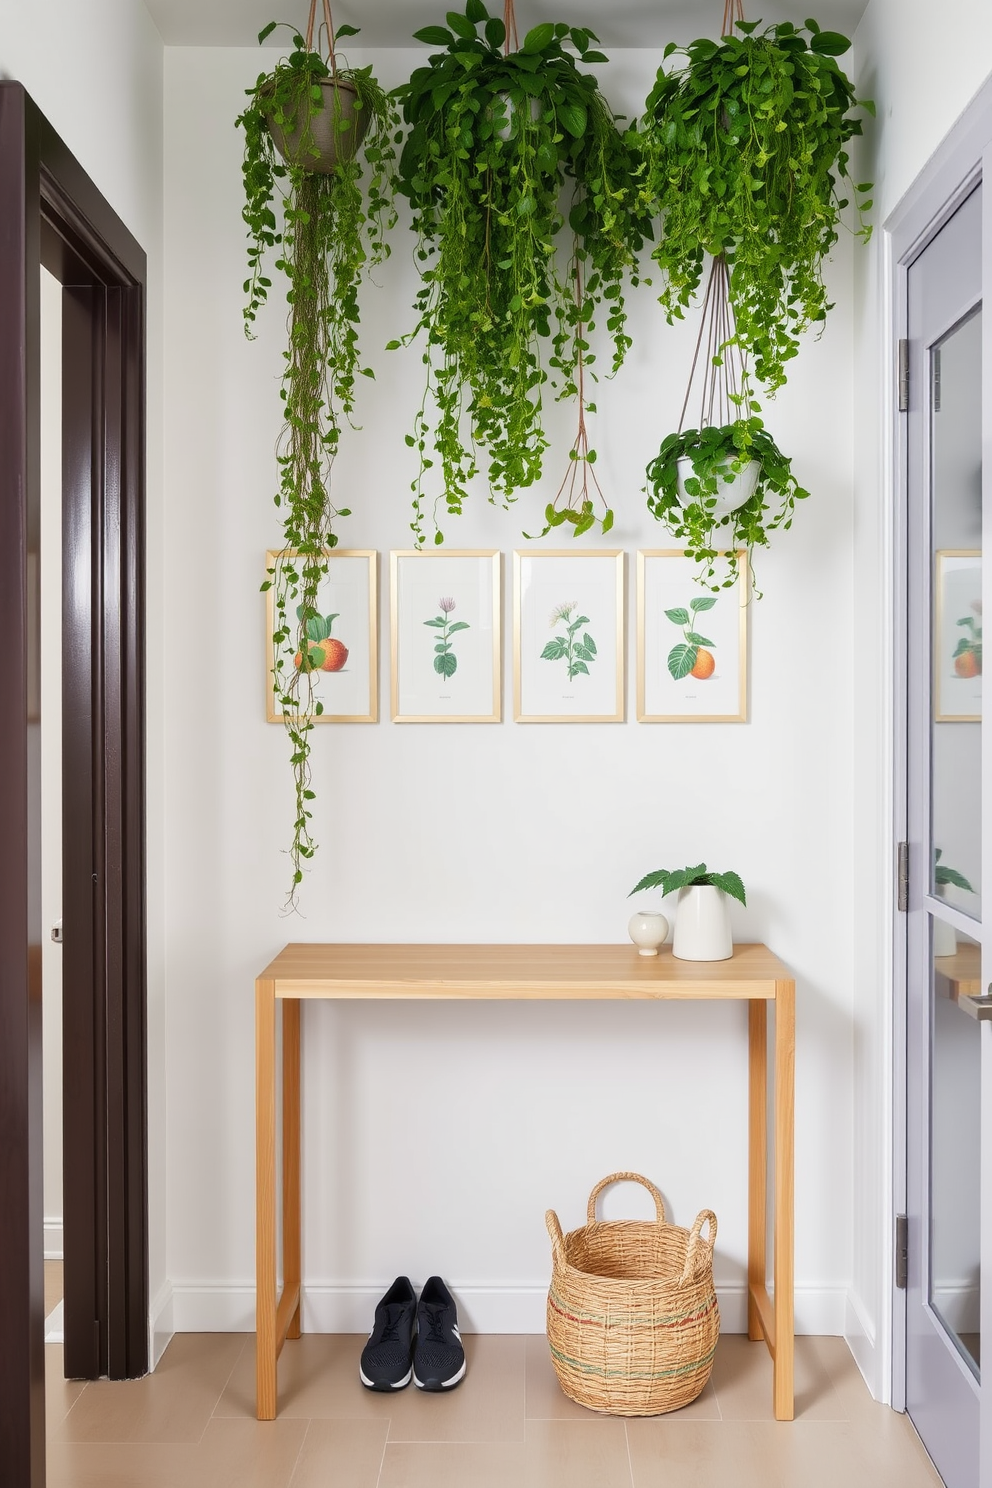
(719, 363)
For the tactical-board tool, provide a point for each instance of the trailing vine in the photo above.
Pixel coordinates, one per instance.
(335, 213)
(745, 156)
(494, 136)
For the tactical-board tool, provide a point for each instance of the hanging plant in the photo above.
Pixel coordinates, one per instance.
(319, 138)
(495, 134)
(745, 157)
(724, 485)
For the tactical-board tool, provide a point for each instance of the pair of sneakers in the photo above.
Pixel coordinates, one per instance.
(434, 1359)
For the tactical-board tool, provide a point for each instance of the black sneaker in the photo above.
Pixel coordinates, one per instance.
(438, 1359)
(385, 1361)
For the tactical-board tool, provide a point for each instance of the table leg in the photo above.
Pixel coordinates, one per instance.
(757, 1183)
(292, 1240)
(785, 1081)
(266, 1350)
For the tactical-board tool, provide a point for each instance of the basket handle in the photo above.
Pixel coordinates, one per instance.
(697, 1243)
(557, 1238)
(655, 1193)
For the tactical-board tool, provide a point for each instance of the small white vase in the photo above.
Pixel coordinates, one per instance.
(730, 494)
(945, 938)
(702, 925)
(648, 930)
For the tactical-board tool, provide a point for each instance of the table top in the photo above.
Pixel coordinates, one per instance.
(538, 972)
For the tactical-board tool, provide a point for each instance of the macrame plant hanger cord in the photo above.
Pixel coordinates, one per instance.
(511, 42)
(733, 10)
(329, 24)
(724, 391)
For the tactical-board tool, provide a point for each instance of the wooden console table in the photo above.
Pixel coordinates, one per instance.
(555, 973)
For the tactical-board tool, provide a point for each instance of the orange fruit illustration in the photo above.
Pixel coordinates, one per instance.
(335, 655)
(966, 665)
(705, 664)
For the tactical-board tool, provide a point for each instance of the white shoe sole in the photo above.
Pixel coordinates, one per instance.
(447, 1384)
(399, 1385)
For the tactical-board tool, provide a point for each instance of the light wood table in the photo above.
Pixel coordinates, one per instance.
(535, 973)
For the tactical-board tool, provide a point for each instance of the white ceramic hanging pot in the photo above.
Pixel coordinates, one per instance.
(648, 930)
(730, 494)
(702, 925)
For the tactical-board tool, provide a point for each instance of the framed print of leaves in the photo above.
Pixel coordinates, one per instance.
(340, 670)
(445, 613)
(568, 618)
(691, 646)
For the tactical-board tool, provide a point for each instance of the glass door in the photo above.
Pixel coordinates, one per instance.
(945, 935)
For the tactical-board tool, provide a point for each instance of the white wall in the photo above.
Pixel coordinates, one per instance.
(921, 68)
(95, 70)
(436, 1137)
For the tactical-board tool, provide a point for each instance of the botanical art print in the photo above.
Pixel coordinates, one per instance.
(445, 657)
(571, 643)
(568, 636)
(689, 657)
(339, 659)
(958, 636)
(691, 645)
(445, 623)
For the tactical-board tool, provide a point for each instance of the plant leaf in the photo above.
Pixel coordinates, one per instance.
(446, 665)
(730, 883)
(681, 660)
(678, 617)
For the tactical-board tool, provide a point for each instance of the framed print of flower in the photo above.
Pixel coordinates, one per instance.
(691, 643)
(568, 636)
(445, 627)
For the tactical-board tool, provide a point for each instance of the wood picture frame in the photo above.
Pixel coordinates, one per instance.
(568, 636)
(445, 614)
(348, 688)
(679, 679)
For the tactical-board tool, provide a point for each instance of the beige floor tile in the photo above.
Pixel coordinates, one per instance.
(341, 1454)
(547, 1401)
(742, 1379)
(172, 1405)
(232, 1454)
(488, 1406)
(577, 1454)
(53, 1285)
(318, 1380)
(454, 1465)
(60, 1394)
(769, 1454)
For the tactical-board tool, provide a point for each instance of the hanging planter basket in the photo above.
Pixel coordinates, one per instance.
(724, 485)
(331, 133)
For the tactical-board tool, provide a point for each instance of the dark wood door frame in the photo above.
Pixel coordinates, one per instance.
(51, 214)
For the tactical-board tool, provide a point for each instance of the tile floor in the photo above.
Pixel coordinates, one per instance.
(191, 1425)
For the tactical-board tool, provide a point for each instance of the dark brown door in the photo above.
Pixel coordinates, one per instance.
(51, 214)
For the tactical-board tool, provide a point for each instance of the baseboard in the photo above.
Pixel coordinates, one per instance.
(481, 1309)
(162, 1324)
(859, 1335)
(53, 1240)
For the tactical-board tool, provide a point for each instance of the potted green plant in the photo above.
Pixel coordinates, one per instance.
(702, 919)
(725, 484)
(945, 938)
(745, 155)
(722, 488)
(319, 185)
(496, 132)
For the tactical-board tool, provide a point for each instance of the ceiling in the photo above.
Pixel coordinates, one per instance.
(390, 23)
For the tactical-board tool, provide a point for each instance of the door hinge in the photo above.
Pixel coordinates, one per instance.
(902, 877)
(903, 376)
(935, 379)
(902, 1251)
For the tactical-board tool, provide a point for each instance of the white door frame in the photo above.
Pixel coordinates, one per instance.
(952, 173)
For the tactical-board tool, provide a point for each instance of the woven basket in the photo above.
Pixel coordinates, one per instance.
(632, 1313)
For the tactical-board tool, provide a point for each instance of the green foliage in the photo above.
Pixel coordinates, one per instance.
(745, 156)
(332, 232)
(493, 139)
(943, 875)
(578, 652)
(682, 657)
(970, 641)
(445, 660)
(668, 880)
(720, 454)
